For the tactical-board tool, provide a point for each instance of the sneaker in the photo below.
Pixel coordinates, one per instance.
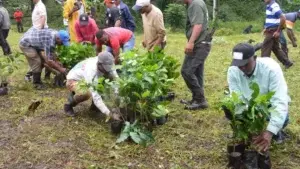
(197, 105)
(186, 102)
(27, 78)
(69, 110)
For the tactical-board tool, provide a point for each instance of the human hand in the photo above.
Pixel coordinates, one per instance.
(276, 34)
(189, 48)
(263, 141)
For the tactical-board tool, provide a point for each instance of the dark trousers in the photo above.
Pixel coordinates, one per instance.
(283, 44)
(3, 42)
(20, 27)
(192, 71)
(272, 44)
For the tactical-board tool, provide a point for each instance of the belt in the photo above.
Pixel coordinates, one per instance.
(204, 42)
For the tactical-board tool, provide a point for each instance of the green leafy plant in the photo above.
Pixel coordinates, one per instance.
(248, 117)
(143, 79)
(7, 66)
(175, 16)
(136, 132)
(69, 56)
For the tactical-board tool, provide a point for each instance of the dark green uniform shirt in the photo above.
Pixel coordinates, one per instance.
(197, 14)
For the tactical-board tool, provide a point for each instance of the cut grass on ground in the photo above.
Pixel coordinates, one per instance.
(190, 139)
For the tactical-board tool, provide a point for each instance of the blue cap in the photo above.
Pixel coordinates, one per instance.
(64, 37)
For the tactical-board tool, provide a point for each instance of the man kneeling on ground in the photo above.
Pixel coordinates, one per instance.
(90, 70)
(267, 73)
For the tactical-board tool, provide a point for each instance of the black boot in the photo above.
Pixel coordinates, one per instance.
(37, 82)
(47, 74)
(195, 105)
(68, 108)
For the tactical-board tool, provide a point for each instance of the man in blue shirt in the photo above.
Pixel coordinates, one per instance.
(274, 24)
(127, 19)
(267, 73)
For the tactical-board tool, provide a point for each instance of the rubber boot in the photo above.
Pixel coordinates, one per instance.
(68, 107)
(37, 82)
(47, 74)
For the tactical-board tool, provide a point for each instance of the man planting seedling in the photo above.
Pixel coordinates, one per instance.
(89, 71)
(36, 40)
(268, 75)
(115, 38)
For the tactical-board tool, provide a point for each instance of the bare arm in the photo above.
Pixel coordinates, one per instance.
(196, 33)
(118, 23)
(43, 20)
(282, 22)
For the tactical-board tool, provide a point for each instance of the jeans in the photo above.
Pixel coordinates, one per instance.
(129, 45)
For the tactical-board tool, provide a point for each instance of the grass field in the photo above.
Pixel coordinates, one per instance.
(190, 139)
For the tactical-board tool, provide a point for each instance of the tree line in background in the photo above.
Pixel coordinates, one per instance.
(174, 10)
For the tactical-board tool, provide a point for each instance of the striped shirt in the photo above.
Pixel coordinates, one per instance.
(273, 13)
(42, 39)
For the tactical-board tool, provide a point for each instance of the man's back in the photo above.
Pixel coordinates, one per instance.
(4, 18)
(292, 16)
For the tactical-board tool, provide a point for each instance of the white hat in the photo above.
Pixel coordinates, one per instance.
(140, 3)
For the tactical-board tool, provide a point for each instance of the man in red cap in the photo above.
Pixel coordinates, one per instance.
(86, 29)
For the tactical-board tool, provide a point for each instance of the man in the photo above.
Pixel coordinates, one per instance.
(196, 51)
(112, 15)
(289, 24)
(90, 70)
(86, 29)
(127, 19)
(266, 72)
(4, 29)
(36, 40)
(39, 15)
(291, 19)
(153, 24)
(72, 10)
(115, 38)
(274, 24)
(18, 15)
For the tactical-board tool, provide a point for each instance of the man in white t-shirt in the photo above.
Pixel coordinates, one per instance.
(90, 70)
(39, 15)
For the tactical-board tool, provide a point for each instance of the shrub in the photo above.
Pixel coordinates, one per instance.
(175, 16)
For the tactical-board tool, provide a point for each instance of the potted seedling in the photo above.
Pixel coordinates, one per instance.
(143, 79)
(7, 67)
(248, 118)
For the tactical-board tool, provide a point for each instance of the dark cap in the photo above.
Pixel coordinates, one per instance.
(84, 20)
(241, 53)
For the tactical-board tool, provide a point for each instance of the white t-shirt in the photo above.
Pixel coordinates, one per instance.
(39, 11)
(87, 70)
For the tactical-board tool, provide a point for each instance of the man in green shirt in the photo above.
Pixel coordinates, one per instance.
(196, 50)
(266, 72)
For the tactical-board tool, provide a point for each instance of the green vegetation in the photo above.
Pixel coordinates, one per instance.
(69, 56)
(248, 117)
(190, 139)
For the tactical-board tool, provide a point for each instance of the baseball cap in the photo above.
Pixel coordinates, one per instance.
(140, 3)
(107, 60)
(64, 37)
(109, 1)
(83, 19)
(242, 52)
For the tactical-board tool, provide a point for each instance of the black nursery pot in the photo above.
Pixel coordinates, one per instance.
(116, 126)
(3, 91)
(250, 159)
(264, 161)
(236, 148)
(235, 160)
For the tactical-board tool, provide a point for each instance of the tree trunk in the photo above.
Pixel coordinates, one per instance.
(214, 10)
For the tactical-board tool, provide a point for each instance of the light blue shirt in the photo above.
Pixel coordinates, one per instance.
(269, 76)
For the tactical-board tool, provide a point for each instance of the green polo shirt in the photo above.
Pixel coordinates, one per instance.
(197, 14)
